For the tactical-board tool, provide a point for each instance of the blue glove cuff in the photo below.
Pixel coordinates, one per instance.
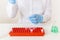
(12, 1)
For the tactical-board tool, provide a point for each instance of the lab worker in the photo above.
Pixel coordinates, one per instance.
(32, 12)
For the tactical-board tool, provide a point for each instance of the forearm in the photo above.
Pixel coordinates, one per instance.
(47, 12)
(12, 9)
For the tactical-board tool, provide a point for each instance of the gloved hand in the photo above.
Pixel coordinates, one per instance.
(36, 18)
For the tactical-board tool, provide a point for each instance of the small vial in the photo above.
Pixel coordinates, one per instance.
(54, 29)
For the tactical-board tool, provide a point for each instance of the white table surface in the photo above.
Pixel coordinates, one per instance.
(5, 28)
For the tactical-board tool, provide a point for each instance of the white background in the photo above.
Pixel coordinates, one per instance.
(5, 28)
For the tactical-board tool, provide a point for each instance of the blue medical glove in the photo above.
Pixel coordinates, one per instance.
(36, 18)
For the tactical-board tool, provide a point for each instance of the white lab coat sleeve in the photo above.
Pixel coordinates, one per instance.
(12, 8)
(47, 12)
